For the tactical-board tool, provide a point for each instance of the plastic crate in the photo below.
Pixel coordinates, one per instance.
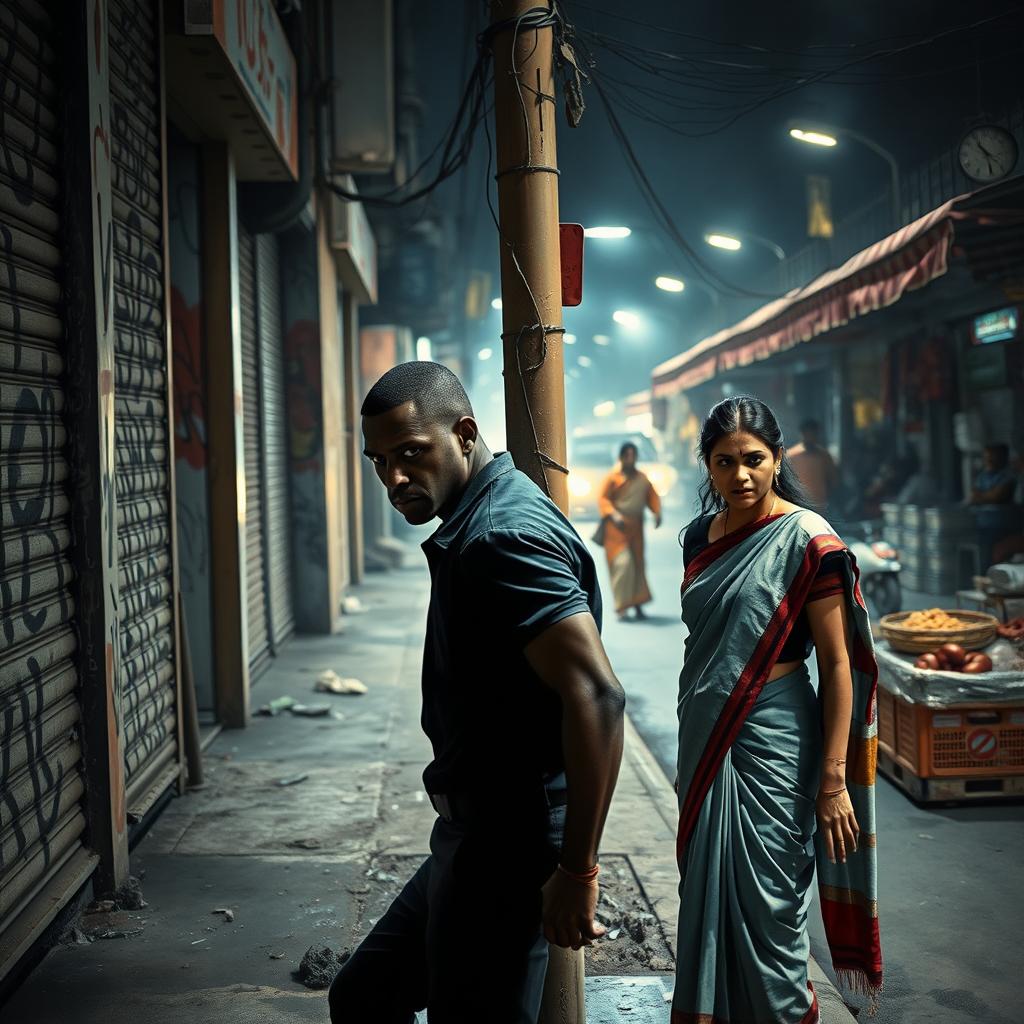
(962, 741)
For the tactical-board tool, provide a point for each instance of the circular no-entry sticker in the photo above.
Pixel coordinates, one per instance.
(982, 744)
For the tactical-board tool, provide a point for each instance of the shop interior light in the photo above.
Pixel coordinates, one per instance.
(669, 284)
(496, 303)
(603, 409)
(626, 318)
(423, 350)
(569, 339)
(729, 242)
(602, 340)
(484, 354)
(812, 138)
(607, 232)
(585, 362)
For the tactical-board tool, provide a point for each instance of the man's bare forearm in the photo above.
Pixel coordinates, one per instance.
(592, 731)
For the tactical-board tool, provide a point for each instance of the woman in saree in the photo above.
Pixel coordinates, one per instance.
(775, 779)
(625, 494)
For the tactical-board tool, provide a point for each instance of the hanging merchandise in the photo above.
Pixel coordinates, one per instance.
(144, 507)
(41, 769)
(277, 521)
(255, 554)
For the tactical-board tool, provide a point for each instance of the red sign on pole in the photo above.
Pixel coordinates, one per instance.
(571, 237)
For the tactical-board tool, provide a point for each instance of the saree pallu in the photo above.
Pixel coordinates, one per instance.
(749, 765)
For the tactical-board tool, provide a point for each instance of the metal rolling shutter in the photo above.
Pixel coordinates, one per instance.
(277, 520)
(255, 562)
(41, 771)
(143, 484)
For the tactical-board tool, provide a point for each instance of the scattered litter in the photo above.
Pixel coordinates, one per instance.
(229, 915)
(924, 835)
(197, 941)
(338, 716)
(320, 966)
(351, 605)
(310, 710)
(670, 995)
(306, 844)
(277, 956)
(419, 796)
(129, 896)
(277, 705)
(293, 780)
(101, 907)
(614, 934)
(117, 933)
(331, 682)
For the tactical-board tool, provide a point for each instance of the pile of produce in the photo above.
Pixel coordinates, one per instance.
(953, 658)
(933, 618)
(1012, 630)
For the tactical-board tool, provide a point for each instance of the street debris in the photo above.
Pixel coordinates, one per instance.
(197, 941)
(293, 780)
(310, 710)
(100, 907)
(276, 956)
(129, 896)
(306, 844)
(277, 705)
(330, 682)
(351, 605)
(229, 915)
(319, 966)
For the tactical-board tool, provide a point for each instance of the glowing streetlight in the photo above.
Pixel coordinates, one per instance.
(484, 354)
(569, 339)
(729, 242)
(813, 138)
(496, 303)
(423, 350)
(602, 339)
(626, 318)
(607, 232)
(585, 361)
(603, 409)
(669, 284)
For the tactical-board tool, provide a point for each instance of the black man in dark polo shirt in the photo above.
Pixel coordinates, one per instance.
(524, 714)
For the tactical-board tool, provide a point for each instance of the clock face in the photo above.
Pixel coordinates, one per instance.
(988, 153)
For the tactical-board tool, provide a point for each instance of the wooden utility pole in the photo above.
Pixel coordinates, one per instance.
(531, 295)
(531, 278)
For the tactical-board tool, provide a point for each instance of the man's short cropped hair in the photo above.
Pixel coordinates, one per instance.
(437, 392)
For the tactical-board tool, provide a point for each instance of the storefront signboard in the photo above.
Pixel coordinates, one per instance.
(999, 325)
(253, 40)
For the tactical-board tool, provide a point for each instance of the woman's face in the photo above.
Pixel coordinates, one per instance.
(742, 468)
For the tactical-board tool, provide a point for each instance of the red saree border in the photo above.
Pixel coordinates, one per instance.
(723, 544)
(812, 1016)
(752, 679)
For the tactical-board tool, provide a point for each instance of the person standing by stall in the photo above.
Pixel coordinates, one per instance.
(813, 464)
(626, 493)
(996, 517)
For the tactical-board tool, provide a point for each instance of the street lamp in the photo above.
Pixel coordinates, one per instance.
(607, 232)
(496, 303)
(626, 318)
(484, 354)
(733, 243)
(829, 137)
(669, 284)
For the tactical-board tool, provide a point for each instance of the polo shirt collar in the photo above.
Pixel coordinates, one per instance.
(499, 466)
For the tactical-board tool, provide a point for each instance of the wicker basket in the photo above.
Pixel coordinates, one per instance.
(978, 632)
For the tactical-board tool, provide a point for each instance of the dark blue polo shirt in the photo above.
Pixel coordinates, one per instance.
(504, 567)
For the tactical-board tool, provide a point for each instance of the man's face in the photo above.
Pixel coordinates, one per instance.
(992, 459)
(628, 460)
(422, 465)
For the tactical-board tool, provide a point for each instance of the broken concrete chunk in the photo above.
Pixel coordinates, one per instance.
(229, 915)
(319, 966)
(306, 844)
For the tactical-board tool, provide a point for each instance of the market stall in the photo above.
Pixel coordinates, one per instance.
(950, 713)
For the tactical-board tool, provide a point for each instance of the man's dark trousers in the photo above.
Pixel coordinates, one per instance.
(463, 938)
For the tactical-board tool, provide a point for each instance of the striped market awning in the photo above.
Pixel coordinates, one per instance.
(984, 227)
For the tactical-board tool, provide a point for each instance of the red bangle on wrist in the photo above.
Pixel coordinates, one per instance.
(585, 878)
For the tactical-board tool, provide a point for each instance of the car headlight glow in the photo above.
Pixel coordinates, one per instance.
(579, 486)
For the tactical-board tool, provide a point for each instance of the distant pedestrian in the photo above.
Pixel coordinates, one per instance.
(769, 769)
(625, 495)
(814, 465)
(524, 714)
(996, 517)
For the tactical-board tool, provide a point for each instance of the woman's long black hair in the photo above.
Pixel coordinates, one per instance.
(752, 416)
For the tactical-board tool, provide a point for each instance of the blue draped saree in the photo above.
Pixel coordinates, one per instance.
(749, 768)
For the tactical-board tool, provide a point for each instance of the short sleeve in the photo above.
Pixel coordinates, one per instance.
(831, 577)
(527, 583)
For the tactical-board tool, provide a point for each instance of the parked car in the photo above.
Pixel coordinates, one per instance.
(593, 456)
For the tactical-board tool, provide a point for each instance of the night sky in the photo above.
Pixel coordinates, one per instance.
(748, 176)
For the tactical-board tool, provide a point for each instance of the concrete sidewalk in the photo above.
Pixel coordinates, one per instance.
(312, 863)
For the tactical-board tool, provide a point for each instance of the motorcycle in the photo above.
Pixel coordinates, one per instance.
(879, 566)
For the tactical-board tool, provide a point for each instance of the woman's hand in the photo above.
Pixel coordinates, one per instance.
(837, 823)
(618, 519)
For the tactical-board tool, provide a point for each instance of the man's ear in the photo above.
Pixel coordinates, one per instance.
(467, 431)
